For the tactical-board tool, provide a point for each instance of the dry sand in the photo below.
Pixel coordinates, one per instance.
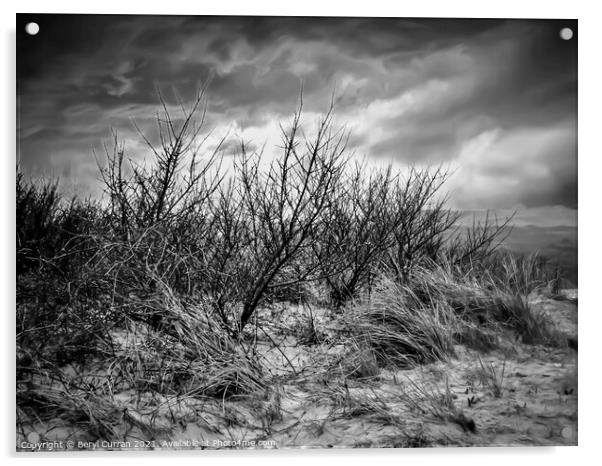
(311, 404)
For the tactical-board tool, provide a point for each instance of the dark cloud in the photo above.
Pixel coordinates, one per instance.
(469, 93)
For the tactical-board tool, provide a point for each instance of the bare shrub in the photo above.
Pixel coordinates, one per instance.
(425, 221)
(159, 210)
(473, 246)
(53, 233)
(358, 223)
(379, 219)
(59, 289)
(268, 219)
(37, 209)
(175, 183)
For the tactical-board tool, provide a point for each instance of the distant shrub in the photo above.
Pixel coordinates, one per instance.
(37, 210)
(473, 246)
(426, 222)
(59, 291)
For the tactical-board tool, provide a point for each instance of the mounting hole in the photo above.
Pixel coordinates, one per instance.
(566, 33)
(567, 432)
(32, 28)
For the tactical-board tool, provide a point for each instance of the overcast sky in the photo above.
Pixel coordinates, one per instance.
(494, 100)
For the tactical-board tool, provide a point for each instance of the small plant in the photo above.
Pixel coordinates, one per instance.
(271, 412)
(367, 405)
(310, 334)
(492, 377)
(360, 362)
(430, 399)
(416, 439)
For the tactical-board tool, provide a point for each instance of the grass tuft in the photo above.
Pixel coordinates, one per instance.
(400, 329)
(191, 353)
(484, 303)
(492, 378)
(431, 400)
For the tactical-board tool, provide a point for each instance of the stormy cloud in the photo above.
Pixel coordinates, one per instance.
(495, 100)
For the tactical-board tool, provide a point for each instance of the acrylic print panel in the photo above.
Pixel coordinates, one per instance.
(289, 232)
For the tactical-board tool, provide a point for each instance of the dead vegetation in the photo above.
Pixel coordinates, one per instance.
(439, 403)
(401, 329)
(191, 302)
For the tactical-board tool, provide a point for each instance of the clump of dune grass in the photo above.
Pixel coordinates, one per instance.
(531, 326)
(163, 348)
(522, 274)
(359, 362)
(420, 320)
(94, 415)
(309, 332)
(492, 377)
(351, 402)
(485, 302)
(400, 328)
(477, 336)
(189, 352)
(428, 398)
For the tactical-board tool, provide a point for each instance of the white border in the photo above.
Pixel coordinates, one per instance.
(590, 153)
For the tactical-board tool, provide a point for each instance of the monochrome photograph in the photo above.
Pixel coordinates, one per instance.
(268, 232)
